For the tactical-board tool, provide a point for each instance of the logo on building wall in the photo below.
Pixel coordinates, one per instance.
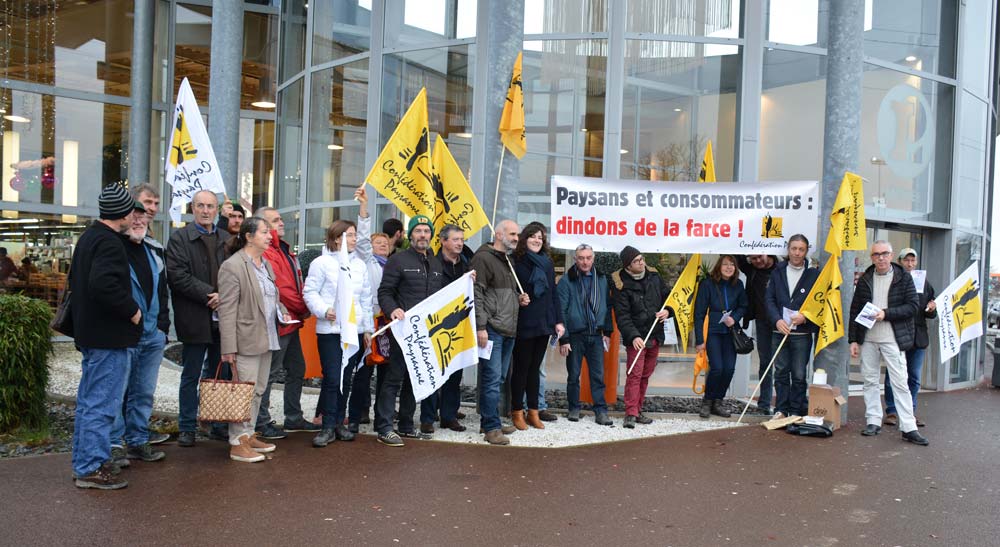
(906, 130)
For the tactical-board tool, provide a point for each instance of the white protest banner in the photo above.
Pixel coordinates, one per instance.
(661, 217)
(191, 165)
(960, 312)
(438, 336)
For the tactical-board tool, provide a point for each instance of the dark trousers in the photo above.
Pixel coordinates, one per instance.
(790, 373)
(360, 402)
(447, 400)
(288, 357)
(528, 355)
(591, 347)
(195, 367)
(764, 354)
(396, 382)
(721, 365)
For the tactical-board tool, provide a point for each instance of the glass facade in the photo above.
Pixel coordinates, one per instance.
(618, 90)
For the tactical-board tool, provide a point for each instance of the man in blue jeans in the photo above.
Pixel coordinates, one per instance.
(583, 295)
(908, 259)
(149, 290)
(106, 323)
(497, 302)
(194, 254)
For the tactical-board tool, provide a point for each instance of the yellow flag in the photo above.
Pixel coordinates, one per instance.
(823, 305)
(707, 173)
(402, 172)
(512, 119)
(454, 201)
(847, 230)
(681, 299)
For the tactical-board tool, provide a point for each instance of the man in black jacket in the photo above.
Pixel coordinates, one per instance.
(106, 323)
(194, 254)
(758, 270)
(638, 293)
(915, 355)
(894, 301)
(409, 277)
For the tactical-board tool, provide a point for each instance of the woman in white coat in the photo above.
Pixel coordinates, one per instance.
(320, 294)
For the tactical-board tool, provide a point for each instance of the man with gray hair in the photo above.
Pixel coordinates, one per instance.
(497, 301)
(194, 254)
(889, 290)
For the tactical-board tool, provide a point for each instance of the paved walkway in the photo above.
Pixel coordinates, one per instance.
(742, 486)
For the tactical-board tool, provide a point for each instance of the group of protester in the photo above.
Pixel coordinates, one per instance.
(239, 300)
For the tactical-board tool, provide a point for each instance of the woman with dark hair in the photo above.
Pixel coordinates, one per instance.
(320, 294)
(723, 300)
(536, 322)
(248, 326)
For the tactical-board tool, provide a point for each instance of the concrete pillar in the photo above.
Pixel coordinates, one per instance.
(225, 86)
(841, 139)
(143, 26)
(500, 38)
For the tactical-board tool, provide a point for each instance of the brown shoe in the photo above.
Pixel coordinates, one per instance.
(495, 436)
(260, 446)
(920, 423)
(517, 416)
(507, 429)
(453, 425)
(891, 419)
(427, 428)
(547, 416)
(243, 452)
(534, 420)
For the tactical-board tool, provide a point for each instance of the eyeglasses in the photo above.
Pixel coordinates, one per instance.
(883, 254)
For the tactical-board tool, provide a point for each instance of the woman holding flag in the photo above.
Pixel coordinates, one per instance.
(338, 264)
(723, 300)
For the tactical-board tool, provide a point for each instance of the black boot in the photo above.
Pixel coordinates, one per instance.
(718, 410)
(324, 437)
(706, 408)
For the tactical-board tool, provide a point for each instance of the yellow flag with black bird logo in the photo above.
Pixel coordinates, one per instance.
(823, 305)
(512, 119)
(707, 173)
(681, 299)
(402, 172)
(454, 201)
(848, 231)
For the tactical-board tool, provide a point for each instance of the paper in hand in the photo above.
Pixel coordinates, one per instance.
(867, 315)
(485, 353)
(919, 277)
(281, 319)
(786, 315)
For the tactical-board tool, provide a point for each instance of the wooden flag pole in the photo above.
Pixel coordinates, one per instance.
(762, 376)
(496, 194)
(644, 340)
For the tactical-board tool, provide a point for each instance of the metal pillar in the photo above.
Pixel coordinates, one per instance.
(225, 87)
(841, 139)
(143, 25)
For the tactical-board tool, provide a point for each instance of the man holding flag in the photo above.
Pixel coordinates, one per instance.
(889, 299)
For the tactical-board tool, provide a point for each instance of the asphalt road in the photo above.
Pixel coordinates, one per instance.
(731, 487)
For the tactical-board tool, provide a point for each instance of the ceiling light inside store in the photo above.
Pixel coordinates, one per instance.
(263, 103)
(623, 151)
(678, 110)
(16, 119)
(464, 135)
(583, 129)
(910, 58)
(334, 147)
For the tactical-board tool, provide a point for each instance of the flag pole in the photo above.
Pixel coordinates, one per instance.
(385, 328)
(644, 340)
(496, 194)
(761, 379)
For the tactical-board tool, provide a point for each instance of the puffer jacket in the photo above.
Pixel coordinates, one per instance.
(903, 305)
(496, 291)
(636, 303)
(714, 298)
(320, 292)
(407, 279)
(570, 289)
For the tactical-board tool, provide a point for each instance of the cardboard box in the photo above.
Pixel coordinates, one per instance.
(825, 402)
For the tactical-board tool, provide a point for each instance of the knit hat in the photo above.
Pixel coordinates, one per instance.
(628, 254)
(115, 202)
(417, 221)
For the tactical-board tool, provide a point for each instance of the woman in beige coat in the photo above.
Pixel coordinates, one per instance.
(249, 309)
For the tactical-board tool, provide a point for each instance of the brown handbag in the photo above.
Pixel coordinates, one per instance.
(223, 400)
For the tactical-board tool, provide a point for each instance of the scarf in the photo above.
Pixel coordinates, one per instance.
(541, 264)
(589, 297)
(381, 260)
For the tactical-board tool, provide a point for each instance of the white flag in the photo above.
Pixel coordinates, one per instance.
(347, 310)
(191, 165)
(438, 336)
(960, 312)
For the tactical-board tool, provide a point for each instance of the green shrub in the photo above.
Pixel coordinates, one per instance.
(25, 347)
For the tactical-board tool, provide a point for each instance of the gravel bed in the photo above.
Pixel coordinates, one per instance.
(65, 377)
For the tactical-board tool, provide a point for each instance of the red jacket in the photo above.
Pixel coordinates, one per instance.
(289, 282)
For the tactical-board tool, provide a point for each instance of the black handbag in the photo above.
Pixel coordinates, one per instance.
(62, 321)
(743, 343)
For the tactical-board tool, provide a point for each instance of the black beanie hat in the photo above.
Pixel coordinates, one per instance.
(115, 202)
(628, 254)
